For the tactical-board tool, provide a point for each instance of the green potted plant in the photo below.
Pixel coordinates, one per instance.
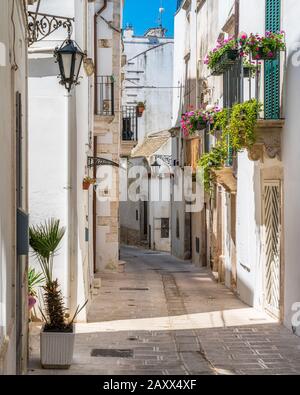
(223, 56)
(140, 108)
(57, 334)
(87, 181)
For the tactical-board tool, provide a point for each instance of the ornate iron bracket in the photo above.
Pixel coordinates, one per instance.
(95, 161)
(41, 26)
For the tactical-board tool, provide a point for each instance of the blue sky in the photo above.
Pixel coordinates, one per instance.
(143, 14)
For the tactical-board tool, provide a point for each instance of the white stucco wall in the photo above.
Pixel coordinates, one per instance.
(12, 80)
(149, 63)
(60, 133)
(291, 158)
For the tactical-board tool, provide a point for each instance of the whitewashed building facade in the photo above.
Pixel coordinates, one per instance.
(247, 229)
(13, 195)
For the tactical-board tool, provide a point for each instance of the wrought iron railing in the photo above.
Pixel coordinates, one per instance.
(130, 123)
(104, 95)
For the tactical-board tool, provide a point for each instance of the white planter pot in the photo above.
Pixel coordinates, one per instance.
(57, 349)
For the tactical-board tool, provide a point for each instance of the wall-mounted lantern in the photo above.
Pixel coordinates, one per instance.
(69, 58)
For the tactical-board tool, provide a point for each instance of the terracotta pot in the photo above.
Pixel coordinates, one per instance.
(57, 349)
(85, 185)
(140, 110)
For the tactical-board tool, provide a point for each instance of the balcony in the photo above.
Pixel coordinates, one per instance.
(263, 83)
(129, 130)
(104, 96)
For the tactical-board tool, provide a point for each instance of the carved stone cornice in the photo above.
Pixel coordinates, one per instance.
(268, 140)
(226, 178)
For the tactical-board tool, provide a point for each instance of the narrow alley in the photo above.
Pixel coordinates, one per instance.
(163, 316)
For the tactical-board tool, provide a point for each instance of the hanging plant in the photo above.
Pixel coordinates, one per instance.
(222, 56)
(238, 132)
(263, 47)
(221, 119)
(197, 120)
(241, 125)
(213, 160)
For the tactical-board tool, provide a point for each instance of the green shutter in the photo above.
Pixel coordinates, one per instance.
(272, 67)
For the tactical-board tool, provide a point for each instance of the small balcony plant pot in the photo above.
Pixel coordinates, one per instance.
(85, 185)
(140, 108)
(225, 62)
(229, 57)
(57, 349)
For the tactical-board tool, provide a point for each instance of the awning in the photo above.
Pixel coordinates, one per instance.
(151, 144)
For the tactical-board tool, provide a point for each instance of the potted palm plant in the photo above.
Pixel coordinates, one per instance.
(57, 334)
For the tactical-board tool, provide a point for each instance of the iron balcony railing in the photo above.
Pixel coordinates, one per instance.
(130, 123)
(243, 82)
(260, 81)
(104, 97)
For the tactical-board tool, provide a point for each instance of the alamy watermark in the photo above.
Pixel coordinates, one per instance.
(137, 184)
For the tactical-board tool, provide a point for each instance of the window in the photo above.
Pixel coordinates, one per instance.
(104, 97)
(165, 228)
(137, 215)
(129, 130)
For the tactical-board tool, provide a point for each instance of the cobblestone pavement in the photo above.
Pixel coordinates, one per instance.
(166, 317)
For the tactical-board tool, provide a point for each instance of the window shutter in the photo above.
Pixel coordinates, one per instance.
(272, 67)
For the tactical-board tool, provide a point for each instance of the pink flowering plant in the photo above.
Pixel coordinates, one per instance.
(213, 58)
(195, 119)
(263, 47)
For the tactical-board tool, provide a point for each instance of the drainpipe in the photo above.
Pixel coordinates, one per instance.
(103, 8)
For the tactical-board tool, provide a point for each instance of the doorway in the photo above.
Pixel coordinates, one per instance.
(272, 247)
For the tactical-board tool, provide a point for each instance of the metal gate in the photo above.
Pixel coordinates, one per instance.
(272, 242)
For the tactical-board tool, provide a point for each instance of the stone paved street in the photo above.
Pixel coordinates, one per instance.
(173, 318)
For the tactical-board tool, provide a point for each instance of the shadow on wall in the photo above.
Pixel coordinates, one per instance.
(46, 67)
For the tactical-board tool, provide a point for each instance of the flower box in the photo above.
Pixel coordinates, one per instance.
(261, 55)
(201, 125)
(226, 61)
